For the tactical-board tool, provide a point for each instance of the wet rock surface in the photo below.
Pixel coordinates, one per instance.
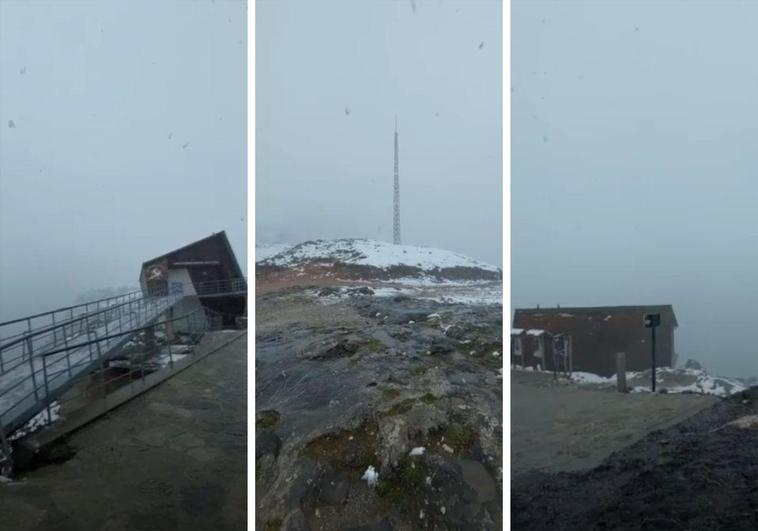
(361, 381)
(701, 473)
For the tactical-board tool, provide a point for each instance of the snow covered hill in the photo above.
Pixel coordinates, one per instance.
(264, 251)
(381, 259)
(683, 380)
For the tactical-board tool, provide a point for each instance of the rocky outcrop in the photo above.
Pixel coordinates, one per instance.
(399, 396)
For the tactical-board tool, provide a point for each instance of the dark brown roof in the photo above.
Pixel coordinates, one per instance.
(666, 311)
(218, 235)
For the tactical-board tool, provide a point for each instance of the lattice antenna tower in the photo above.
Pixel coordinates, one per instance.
(396, 214)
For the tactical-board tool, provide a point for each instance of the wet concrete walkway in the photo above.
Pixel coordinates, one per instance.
(171, 459)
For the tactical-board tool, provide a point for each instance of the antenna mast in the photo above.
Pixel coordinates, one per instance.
(396, 217)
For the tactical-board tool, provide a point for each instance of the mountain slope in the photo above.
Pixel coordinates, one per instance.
(370, 259)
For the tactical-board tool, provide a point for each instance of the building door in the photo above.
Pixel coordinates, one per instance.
(539, 352)
(518, 351)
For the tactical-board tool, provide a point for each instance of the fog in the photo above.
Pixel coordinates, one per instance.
(122, 137)
(633, 165)
(330, 78)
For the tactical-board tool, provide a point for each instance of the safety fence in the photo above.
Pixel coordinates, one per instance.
(36, 365)
(140, 351)
(15, 328)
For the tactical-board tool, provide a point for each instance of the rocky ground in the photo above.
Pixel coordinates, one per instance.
(700, 473)
(349, 385)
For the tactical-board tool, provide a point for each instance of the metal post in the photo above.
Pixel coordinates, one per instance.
(170, 357)
(142, 369)
(47, 390)
(31, 364)
(55, 330)
(653, 329)
(555, 363)
(102, 368)
(571, 356)
(89, 342)
(621, 372)
(68, 354)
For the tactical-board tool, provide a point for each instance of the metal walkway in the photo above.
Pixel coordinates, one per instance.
(42, 356)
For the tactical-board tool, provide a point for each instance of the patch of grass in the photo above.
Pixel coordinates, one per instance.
(266, 419)
(391, 393)
(428, 398)
(405, 483)
(406, 405)
(374, 345)
(459, 436)
(351, 450)
(419, 370)
(401, 407)
(272, 525)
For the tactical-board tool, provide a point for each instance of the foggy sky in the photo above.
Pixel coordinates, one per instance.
(330, 76)
(634, 128)
(90, 183)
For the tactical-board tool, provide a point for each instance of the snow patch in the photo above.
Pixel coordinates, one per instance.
(372, 253)
(38, 421)
(591, 378)
(371, 476)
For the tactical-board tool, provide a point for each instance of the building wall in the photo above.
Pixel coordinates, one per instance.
(207, 250)
(180, 279)
(187, 306)
(598, 335)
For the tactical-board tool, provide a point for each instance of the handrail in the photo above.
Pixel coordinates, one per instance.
(112, 336)
(66, 308)
(86, 344)
(62, 324)
(216, 286)
(48, 369)
(145, 301)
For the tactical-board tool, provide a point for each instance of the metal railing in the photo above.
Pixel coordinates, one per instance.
(32, 375)
(14, 328)
(138, 352)
(217, 287)
(17, 349)
(148, 349)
